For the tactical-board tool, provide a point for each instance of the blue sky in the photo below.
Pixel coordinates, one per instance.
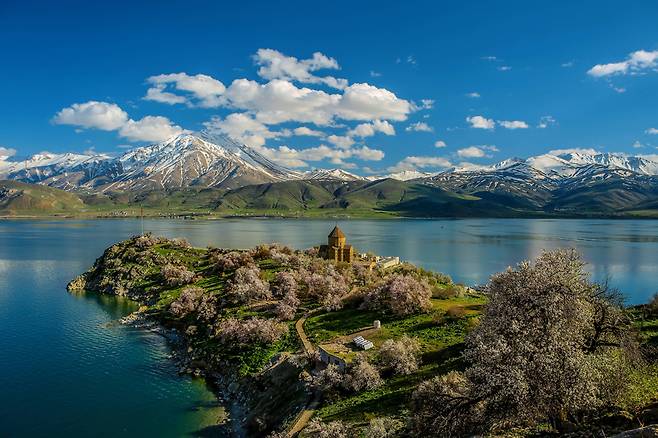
(389, 81)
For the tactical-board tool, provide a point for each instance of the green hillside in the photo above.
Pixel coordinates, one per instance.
(20, 199)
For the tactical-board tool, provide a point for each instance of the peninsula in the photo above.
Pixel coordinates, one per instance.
(329, 340)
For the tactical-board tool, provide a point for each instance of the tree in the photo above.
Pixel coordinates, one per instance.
(187, 301)
(326, 285)
(400, 356)
(236, 331)
(400, 294)
(550, 347)
(177, 275)
(362, 376)
(247, 286)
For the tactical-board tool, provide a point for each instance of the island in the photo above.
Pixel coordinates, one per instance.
(332, 342)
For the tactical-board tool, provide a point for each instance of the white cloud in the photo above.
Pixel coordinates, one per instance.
(157, 94)
(205, 89)
(342, 142)
(416, 162)
(513, 124)
(476, 151)
(244, 128)
(584, 151)
(100, 115)
(280, 101)
(653, 131)
(291, 157)
(567, 64)
(6, 153)
(637, 144)
(150, 128)
(420, 127)
(440, 144)
(504, 68)
(369, 129)
(634, 64)
(545, 122)
(303, 130)
(473, 95)
(374, 74)
(275, 65)
(480, 122)
(490, 58)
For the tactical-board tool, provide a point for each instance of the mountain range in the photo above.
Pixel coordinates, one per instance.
(215, 173)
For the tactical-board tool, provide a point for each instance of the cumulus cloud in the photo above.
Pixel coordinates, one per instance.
(369, 129)
(545, 122)
(275, 65)
(340, 141)
(440, 144)
(476, 151)
(480, 122)
(206, 90)
(635, 63)
(150, 128)
(513, 124)
(244, 128)
(653, 131)
(291, 157)
(305, 131)
(110, 117)
(419, 127)
(584, 151)
(280, 101)
(416, 162)
(99, 115)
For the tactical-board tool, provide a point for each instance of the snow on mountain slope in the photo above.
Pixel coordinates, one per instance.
(331, 174)
(404, 175)
(188, 160)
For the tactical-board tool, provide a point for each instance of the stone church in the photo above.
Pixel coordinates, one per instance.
(337, 249)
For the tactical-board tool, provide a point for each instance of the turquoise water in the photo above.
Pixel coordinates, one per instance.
(67, 368)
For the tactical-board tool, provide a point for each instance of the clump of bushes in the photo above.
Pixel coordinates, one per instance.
(401, 356)
(247, 285)
(401, 294)
(176, 275)
(194, 299)
(241, 332)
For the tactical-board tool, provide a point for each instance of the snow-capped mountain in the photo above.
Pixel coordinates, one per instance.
(331, 175)
(181, 161)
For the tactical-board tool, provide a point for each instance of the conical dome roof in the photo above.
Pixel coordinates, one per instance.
(336, 232)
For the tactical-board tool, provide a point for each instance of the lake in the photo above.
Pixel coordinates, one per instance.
(68, 368)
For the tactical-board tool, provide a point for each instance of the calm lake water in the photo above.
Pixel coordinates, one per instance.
(67, 368)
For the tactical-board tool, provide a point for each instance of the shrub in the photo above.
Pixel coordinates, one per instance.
(400, 294)
(284, 283)
(455, 313)
(326, 285)
(235, 331)
(287, 307)
(187, 301)
(400, 356)
(362, 376)
(318, 429)
(329, 379)
(383, 427)
(180, 242)
(246, 286)
(177, 275)
(231, 261)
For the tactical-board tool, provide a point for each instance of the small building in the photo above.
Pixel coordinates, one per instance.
(387, 262)
(362, 343)
(330, 357)
(337, 248)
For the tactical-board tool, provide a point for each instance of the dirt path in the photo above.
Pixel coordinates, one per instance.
(299, 326)
(304, 416)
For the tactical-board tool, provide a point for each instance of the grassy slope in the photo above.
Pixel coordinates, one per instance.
(379, 199)
(18, 198)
